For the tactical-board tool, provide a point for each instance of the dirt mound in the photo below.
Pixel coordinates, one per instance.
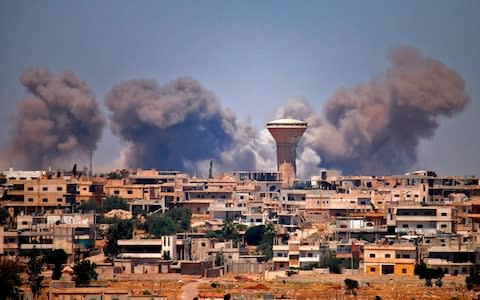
(257, 287)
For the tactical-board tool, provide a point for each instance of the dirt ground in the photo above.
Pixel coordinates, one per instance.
(332, 287)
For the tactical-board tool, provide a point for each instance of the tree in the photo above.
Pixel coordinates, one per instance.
(473, 280)
(254, 235)
(84, 272)
(219, 259)
(429, 273)
(4, 215)
(266, 245)
(57, 258)
(351, 285)
(181, 215)
(10, 279)
(161, 225)
(118, 231)
(114, 202)
(90, 205)
(34, 271)
(229, 229)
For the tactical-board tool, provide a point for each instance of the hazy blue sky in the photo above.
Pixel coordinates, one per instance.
(254, 55)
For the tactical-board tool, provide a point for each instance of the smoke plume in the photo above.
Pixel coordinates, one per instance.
(375, 128)
(180, 125)
(59, 118)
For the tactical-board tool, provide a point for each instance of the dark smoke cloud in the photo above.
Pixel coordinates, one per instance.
(60, 117)
(180, 125)
(375, 128)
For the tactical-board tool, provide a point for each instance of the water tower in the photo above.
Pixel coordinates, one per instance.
(287, 133)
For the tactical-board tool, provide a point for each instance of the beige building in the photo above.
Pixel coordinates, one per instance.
(383, 259)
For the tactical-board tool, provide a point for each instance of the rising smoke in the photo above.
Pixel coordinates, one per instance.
(59, 118)
(375, 128)
(180, 125)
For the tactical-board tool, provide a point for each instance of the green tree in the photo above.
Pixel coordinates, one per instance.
(473, 280)
(229, 230)
(160, 225)
(10, 278)
(181, 215)
(254, 235)
(34, 271)
(114, 202)
(84, 272)
(266, 245)
(118, 231)
(89, 206)
(57, 258)
(351, 285)
(219, 259)
(4, 215)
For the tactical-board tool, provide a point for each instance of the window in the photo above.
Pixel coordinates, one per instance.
(30, 188)
(405, 226)
(203, 244)
(387, 255)
(310, 254)
(30, 199)
(443, 226)
(444, 214)
(59, 199)
(419, 225)
(45, 188)
(129, 192)
(45, 199)
(372, 269)
(404, 271)
(372, 255)
(59, 188)
(116, 192)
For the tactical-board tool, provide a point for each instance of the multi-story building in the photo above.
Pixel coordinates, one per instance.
(425, 220)
(383, 259)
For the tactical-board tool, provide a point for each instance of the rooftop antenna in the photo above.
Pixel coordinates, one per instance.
(210, 170)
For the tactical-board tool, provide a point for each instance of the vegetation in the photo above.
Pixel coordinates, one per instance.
(160, 225)
(57, 258)
(114, 202)
(89, 206)
(428, 274)
(230, 230)
(473, 280)
(121, 230)
(34, 271)
(219, 260)
(10, 278)
(114, 175)
(4, 215)
(351, 285)
(111, 202)
(173, 221)
(266, 245)
(181, 215)
(254, 235)
(84, 272)
(333, 264)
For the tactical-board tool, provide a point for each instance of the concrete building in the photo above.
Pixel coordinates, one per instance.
(383, 259)
(425, 220)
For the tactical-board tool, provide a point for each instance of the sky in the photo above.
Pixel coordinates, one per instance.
(253, 55)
